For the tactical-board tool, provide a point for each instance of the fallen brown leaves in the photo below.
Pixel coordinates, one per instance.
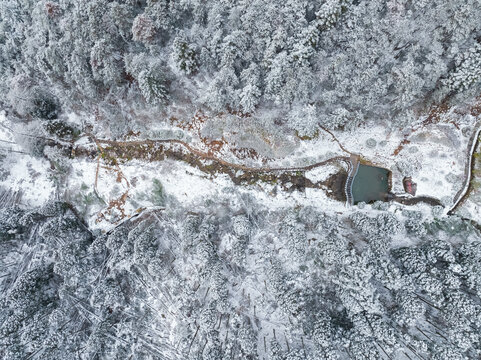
(118, 206)
(401, 146)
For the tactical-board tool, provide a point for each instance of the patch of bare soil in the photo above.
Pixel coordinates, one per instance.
(334, 186)
(418, 199)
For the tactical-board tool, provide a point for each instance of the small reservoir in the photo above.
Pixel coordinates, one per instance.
(370, 183)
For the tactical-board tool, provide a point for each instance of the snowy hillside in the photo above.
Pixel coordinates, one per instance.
(179, 180)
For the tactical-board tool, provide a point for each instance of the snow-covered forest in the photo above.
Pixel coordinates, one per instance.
(239, 283)
(334, 62)
(175, 179)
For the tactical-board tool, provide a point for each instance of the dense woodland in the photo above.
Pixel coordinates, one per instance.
(237, 283)
(337, 63)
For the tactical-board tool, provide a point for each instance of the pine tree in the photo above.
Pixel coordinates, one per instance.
(143, 29)
(251, 93)
(153, 87)
(184, 55)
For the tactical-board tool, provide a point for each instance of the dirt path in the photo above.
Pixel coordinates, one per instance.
(416, 200)
(336, 140)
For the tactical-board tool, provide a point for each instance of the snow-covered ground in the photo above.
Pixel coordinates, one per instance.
(187, 185)
(22, 172)
(434, 156)
(30, 176)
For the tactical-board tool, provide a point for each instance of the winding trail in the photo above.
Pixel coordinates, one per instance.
(464, 192)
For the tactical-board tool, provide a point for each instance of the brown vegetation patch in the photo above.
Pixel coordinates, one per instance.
(132, 133)
(436, 112)
(476, 108)
(213, 146)
(108, 155)
(248, 153)
(116, 205)
(193, 126)
(401, 146)
(238, 113)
